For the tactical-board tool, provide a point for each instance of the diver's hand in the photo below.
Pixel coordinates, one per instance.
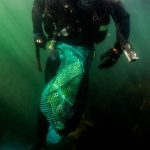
(109, 58)
(40, 40)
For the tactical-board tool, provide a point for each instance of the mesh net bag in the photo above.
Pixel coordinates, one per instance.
(59, 98)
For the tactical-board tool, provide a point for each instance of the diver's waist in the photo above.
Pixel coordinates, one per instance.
(76, 41)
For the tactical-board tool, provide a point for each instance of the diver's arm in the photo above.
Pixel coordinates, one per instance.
(122, 20)
(37, 16)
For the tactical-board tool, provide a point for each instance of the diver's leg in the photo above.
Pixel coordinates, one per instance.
(43, 125)
(83, 99)
(86, 125)
(42, 130)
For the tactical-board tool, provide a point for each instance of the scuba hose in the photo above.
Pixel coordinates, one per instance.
(38, 58)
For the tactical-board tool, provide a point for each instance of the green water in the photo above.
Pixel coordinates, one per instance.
(122, 90)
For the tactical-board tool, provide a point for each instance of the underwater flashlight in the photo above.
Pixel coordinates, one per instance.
(129, 52)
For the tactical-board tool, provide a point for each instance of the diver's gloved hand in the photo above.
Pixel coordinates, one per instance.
(110, 57)
(40, 40)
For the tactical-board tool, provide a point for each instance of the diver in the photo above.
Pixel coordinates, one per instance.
(69, 29)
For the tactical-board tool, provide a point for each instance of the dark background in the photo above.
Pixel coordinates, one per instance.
(119, 103)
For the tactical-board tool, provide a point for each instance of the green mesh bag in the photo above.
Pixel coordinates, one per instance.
(59, 97)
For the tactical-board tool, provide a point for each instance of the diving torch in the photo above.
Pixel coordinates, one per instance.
(129, 52)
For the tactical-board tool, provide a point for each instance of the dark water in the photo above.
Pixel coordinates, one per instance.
(119, 97)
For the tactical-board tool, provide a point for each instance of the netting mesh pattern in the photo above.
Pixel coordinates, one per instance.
(59, 95)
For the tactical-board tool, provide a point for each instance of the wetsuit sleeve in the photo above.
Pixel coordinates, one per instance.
(37, 15)
(122, 20)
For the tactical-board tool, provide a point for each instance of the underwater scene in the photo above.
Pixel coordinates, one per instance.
(117, 110)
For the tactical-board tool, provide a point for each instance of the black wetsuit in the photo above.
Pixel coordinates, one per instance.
(84, 18)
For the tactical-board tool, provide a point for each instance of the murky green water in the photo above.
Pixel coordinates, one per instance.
(122, 90)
